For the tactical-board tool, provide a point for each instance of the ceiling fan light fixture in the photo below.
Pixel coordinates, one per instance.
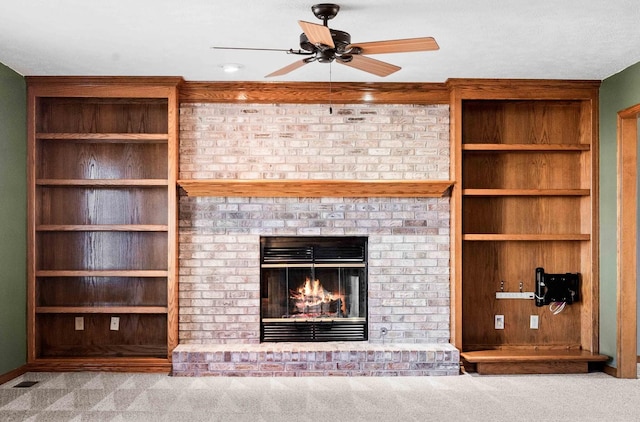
(325, 56)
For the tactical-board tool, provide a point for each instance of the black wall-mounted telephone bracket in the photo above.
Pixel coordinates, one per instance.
(552, 288)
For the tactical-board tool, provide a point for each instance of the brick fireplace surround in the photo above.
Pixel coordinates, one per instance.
(408, 237)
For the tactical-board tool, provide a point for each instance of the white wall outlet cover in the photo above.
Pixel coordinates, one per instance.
(499, 322)
(79, 323)
(115, 323)
(533, 322)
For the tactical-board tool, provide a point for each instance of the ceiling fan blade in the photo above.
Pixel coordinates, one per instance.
(317, 34)
(370, 65)
(289, 68)
(407, 45)
(252, 49)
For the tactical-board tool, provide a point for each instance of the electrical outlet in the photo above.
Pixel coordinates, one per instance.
(115, 323)
(499, 322)
(533, 322)
(79, 323)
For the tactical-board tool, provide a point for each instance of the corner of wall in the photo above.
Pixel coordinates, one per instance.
(13, 220)
(617, 92)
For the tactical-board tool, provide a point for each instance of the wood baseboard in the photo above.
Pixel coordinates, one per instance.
(149, 365)
(610, 370)
(13, 374)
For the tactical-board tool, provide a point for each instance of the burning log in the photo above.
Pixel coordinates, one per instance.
(313, 300)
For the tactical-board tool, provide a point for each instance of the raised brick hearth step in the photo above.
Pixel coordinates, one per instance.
(315, 359)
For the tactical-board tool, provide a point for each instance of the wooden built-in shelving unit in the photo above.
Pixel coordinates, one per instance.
(102, 223)
(525, 197)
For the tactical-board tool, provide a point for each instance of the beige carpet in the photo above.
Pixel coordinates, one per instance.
(154, 397)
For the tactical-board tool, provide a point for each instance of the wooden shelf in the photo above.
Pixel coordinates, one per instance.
(102, 182)
(526, 192)
(481, 237)
(103, 227)
(521, 355)
(316, 188)
(526, 147)
(102, 273)
(101, 309)
(106, 137)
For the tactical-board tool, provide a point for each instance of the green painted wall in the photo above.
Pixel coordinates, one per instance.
(617, 92)
(13, 220)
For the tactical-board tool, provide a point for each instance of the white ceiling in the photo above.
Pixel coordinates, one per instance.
(556, 39)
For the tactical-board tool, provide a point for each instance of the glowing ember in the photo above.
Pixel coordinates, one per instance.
(313, 300)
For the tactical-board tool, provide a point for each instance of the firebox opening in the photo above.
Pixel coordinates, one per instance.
(313, 288)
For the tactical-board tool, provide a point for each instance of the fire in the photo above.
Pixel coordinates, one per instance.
(312, 299)
(315, 292)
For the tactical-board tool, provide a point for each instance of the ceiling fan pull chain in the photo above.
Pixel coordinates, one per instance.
(330, 89)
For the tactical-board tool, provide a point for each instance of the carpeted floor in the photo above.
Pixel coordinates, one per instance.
(154, 397)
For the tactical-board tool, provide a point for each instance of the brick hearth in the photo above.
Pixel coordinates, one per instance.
(315, 359)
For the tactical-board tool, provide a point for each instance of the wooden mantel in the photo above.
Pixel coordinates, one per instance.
(316, 188)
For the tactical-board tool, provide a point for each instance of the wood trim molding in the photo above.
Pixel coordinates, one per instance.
(105, 80)
(455, 128)
(609, 370)
(31, 224)
(314, 93)
(146, 365)
(337, 92)
(626, 353)
(593, 255)
(495, 89)
(98, 86)
(13, 374)
(173, 158)
(316, 188)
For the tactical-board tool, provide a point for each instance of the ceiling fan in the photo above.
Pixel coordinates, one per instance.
(319, 43)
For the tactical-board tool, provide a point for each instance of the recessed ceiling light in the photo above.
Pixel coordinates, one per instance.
(230, 67)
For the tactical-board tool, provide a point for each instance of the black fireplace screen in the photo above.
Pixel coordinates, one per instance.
(313, 289)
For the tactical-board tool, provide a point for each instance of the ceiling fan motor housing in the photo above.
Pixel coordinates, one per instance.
(341, 40)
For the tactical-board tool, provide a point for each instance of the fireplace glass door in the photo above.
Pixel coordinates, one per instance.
(313, 289)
